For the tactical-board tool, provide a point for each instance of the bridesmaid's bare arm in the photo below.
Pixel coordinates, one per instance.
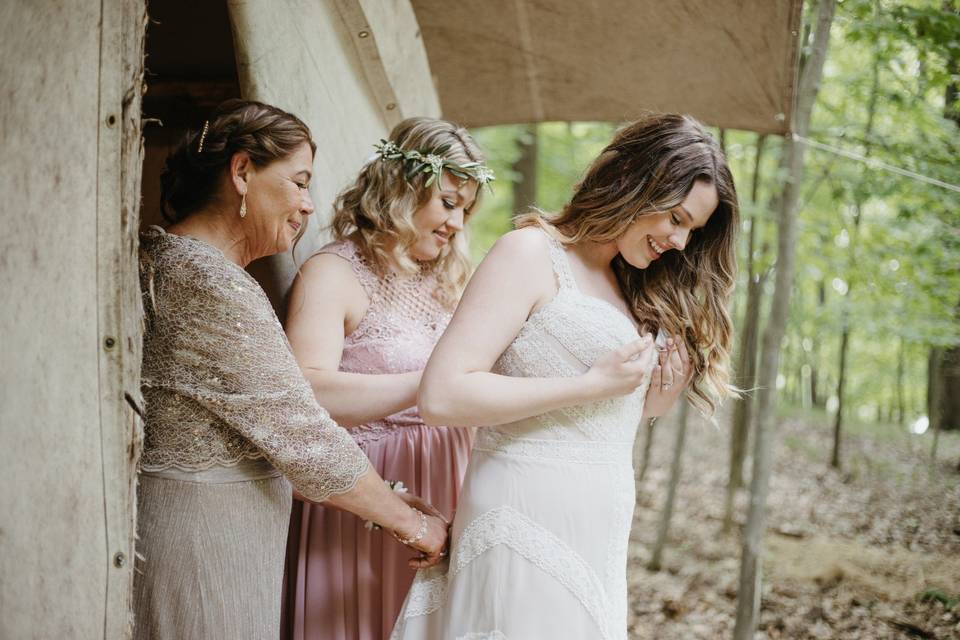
(326, 304)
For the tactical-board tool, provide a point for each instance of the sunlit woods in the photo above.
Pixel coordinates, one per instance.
(870, 342)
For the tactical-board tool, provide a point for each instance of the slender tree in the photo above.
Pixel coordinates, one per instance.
(525, 168)
(656, 558)
(859, 196)
(647, 448)
(748, 604)
(747, 355)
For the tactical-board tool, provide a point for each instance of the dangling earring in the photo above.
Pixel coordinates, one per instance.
(243, 206)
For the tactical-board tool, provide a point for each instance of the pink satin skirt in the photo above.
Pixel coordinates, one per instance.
(344, 582)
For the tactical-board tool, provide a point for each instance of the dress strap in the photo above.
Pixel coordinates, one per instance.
(349, 251)
(561, 264)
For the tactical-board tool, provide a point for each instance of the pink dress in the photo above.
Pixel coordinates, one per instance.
(343, 581)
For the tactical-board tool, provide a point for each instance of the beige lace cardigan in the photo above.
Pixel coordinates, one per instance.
(219, 380)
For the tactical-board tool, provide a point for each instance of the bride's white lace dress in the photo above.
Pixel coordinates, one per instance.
(539, 542)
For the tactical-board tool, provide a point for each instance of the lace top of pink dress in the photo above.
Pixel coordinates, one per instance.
(397, 334)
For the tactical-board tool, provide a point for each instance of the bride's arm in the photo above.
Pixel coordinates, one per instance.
(325, 301)
(514, 279)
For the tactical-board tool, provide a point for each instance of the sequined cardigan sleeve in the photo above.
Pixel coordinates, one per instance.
(220, 381)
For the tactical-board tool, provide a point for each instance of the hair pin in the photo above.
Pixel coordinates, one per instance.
(206, 125)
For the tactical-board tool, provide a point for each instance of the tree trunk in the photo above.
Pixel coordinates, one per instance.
(901, 411)
(525, 188)
(950, 379)
(841, 383)
(816, 399)
(935, 389)
(858, 197)
(747, 358)
(748, 601)
(647, 447)
(675, 470)
(948, 406)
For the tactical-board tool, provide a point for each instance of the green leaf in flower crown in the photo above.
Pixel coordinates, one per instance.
(414, 169)
(460, 174)
(442, 149)
(431, 179)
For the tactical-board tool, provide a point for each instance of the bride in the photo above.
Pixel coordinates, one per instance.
(550, 351)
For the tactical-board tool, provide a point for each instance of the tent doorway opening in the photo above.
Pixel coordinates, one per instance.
(190, 69)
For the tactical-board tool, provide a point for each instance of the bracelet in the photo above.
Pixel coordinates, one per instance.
(420, 533)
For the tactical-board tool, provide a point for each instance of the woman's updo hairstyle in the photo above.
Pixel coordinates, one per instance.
(192, 174)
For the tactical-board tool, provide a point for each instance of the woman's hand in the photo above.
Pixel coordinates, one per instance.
(671, 375)
(432, 545)
(623, 370)
(417, 502)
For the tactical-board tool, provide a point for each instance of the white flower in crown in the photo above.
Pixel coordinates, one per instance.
(435, 162)
(387, 149)
(483, 175)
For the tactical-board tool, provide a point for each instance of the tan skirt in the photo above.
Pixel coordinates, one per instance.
(211, 552)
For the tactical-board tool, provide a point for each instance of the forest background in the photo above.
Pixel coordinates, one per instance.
(864, 443)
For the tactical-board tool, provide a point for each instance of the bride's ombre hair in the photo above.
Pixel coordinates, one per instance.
(376, 211)
(650, 167)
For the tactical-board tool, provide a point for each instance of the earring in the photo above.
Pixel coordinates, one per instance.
(243, 206)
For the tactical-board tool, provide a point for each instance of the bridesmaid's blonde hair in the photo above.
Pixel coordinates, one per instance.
(376, 211)
(649, 167)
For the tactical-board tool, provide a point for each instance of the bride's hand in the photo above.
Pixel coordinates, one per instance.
(621, 371)
(671, 375)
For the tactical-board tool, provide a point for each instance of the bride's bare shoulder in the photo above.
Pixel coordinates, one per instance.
(528, 243)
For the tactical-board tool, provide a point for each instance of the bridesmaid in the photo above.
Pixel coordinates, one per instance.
(364, 316)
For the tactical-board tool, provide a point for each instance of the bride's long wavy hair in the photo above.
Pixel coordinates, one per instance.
(650, 167)
(376, 211)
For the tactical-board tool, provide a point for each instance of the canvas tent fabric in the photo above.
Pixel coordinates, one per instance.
(360, 69)
(730, 63)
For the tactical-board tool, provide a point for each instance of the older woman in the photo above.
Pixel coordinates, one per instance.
(231, 422)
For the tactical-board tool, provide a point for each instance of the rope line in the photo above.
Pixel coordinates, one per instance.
(873, 163)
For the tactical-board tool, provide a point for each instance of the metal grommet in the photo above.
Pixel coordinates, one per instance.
(109, 343)
(364, 34)
(119, 560)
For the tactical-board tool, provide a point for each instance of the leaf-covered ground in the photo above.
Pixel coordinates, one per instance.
(871, 552)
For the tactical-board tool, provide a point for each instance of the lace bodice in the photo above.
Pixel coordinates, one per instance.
(565, 337)
(403, 323)
(220, 382)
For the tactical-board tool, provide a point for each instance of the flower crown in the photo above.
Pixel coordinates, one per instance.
(432, 161)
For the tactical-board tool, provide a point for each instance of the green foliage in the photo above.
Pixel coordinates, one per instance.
(565, 151)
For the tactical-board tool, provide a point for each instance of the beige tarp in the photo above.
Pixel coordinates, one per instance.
(729, 62)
